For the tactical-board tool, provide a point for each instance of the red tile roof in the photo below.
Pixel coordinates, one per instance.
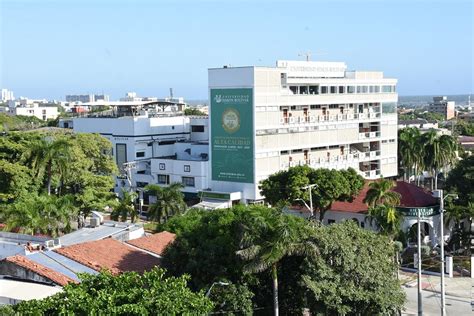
(411, 196)
(46, 272)
(111, 255)
(156, 243)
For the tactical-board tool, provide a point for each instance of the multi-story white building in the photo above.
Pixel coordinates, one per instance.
(154, 148)
(7, 95)
(42, 112)
(266, 119)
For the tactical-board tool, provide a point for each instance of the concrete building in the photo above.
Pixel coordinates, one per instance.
(152, 147)
(7, 95)
(266, 119)
(86, 98)
(42, 112)
(442, 106)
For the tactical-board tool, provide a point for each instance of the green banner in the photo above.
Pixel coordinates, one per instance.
(424, 211)
(232, 135)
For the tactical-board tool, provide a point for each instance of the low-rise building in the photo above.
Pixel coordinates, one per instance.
(42, 112)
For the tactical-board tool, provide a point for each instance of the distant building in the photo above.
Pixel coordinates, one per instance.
(418, 123)
(7, 95)
(42, 112)
(442, 106)
(87, 98)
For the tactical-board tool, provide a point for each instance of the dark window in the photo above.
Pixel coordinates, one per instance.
(197, 128)
(341, 89)
(333, 89)
(140, 154)
(188, 181)
(121, 154)
(141, 184)
(324, 90)
(187, 168)
(162, 166)
(331, 221)
(163, 179)
(167, 142)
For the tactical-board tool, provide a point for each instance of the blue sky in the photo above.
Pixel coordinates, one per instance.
(52, 48)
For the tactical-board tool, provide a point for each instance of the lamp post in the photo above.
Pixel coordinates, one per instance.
(215, 283)
(439, 194)
(310, 187)
(307, 206)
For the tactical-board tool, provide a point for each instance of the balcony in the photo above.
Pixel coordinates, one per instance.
(327, 118)
(368, 135)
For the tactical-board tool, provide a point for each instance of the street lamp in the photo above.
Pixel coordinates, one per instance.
(439, 194)
(215, 283)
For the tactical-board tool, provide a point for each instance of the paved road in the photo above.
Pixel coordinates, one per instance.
(459, 294)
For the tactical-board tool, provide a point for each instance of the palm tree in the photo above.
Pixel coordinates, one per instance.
(169, 201)
(49, 156)
(276, 238)
(440, 152)
(387, 219)
(410, 151)
(125, 208)
(380, 192)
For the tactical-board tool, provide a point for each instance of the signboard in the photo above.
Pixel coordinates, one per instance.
(215, 195)
(424, 211)
(232, 135)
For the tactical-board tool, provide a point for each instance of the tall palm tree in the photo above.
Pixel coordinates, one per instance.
(276, 238)
(380, 192)
(440, 152)
(169, 201)
(125, 208)
(49, 156)
(410, 151)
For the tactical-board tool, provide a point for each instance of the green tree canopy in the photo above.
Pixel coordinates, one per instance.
(126, 294)
(331, 185)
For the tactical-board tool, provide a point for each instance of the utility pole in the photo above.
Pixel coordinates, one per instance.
(441, 231)
(310, 187)
(420, 298)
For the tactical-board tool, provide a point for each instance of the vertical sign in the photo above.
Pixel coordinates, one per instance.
(232, 135)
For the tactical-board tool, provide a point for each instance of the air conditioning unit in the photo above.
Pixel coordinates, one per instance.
(49, 244)
(94, 222)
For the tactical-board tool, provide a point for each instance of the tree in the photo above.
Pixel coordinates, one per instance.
(278, 237)
(126, 294)
(15, 180)
(194, 112)
(380, 192)
(330, 185)
(125, 208)
(353, 274)
(354, 259)
(232, 299)
(387, 218)
(49, 157)
(439, 152)
(410, 151)
(43, 214)
(169, 201)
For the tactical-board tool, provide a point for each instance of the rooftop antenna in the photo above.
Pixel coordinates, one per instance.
(306, 54)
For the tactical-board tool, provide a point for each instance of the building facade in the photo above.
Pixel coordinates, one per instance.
(7, 95)
(267, 119)
(42, 112)
(442, 106)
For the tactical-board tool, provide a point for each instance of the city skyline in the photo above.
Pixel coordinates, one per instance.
(51, 49)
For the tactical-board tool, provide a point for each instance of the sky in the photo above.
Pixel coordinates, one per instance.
(52, 48)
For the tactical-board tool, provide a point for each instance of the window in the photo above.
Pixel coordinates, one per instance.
(293, 107)
(162, 166)
(303, 90)
(331, 221)
(163, 179)
(386, 89)
(187, 168)
(313, 90)
(188, 181)
(389, 107)
(121, 154)
(294, 89)
(141, 184)
(350, 89)
(284, 152)
(341, 89)
(333, 89)
(140, 154)
(377, 89)
(197, 128)
(324, 90)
